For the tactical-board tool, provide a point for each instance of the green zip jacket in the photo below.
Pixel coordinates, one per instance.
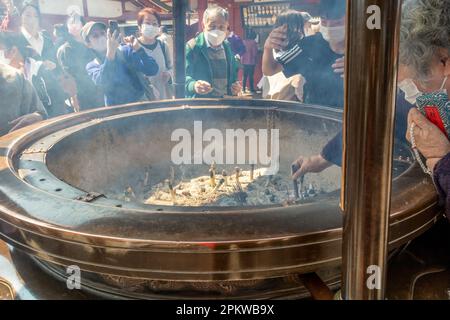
(198, 66)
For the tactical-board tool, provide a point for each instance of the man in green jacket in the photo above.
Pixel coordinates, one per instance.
(211, 68)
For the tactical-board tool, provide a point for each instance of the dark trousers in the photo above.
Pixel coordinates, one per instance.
(249, 73)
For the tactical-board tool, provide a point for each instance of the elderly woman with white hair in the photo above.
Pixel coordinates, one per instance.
(211, 68)
(426, 58)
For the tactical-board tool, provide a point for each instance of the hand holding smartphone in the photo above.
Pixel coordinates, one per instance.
(113, 25)
(114, 28)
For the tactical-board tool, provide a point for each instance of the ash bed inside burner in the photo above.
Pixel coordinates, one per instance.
(130, 159)
(251, 188)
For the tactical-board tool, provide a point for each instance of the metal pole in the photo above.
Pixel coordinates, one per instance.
(371, 74)
(179, 22)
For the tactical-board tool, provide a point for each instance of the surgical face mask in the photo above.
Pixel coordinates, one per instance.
(3, 58)
(215, 37)
(99, 44)
(412, 92)
(443, 89)
(333, 34)
(149, 31)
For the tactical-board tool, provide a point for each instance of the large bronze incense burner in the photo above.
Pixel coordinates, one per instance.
(58, 203)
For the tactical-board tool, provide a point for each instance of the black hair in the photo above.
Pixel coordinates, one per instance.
(295, 23)
(32, 4)
(332, 9)
(164, 29)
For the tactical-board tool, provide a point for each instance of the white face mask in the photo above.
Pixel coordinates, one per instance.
(410, 89)
(334, 34)
(149, 31)
(99, 44)
(412, 92)
(3, 58)
(443, 89)
(215, 37)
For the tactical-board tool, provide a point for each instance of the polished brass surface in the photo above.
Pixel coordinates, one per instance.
(6, 291)
(21, 276)
(370, 95)
(40, 215)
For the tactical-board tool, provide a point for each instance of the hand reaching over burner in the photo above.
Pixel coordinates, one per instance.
(339, 66)
(236, 88)
(314, 164)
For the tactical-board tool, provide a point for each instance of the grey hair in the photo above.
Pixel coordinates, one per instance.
(214, 11)
(425, 29)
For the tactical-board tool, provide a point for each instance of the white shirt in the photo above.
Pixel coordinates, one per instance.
(36, 43)
(161, 86)
(167, 38)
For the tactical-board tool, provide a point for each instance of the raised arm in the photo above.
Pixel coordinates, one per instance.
(277, 40)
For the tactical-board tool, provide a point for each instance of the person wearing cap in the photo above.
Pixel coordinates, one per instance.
(73, 57)
(119, 70)
(319, 58)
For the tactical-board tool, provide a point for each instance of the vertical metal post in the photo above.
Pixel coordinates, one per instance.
(179, 19)
(370, 93)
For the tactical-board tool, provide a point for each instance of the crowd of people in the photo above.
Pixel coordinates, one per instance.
(89, 65)
(83, 65)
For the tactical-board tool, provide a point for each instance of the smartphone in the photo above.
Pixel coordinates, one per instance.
(113, 26)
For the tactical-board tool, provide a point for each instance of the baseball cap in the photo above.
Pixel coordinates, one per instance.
(87, 29)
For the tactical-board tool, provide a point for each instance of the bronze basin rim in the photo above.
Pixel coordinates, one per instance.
(174, 210)
(62, 134)
(13, 149)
